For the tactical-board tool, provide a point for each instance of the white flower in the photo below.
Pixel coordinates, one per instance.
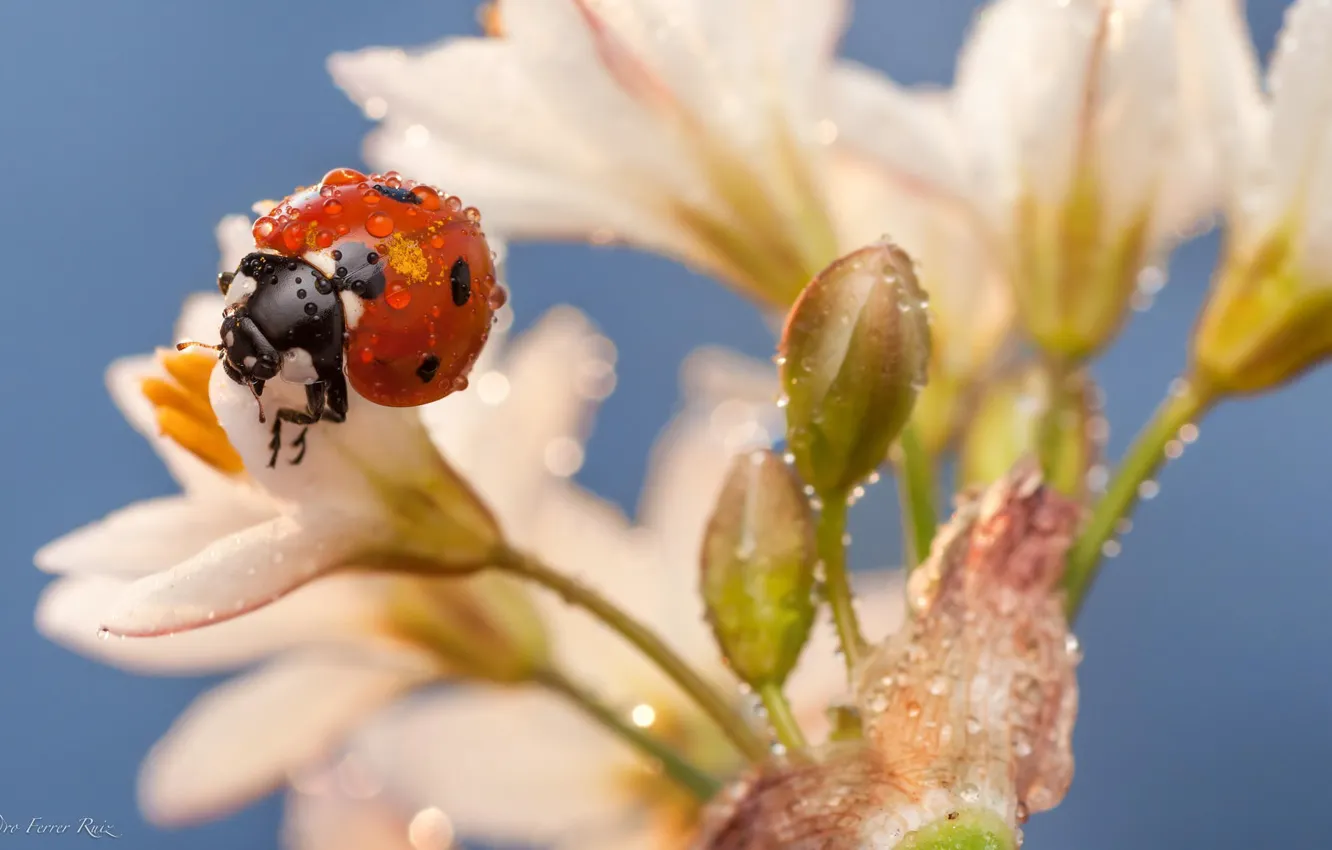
(335, 649)
(700, 129)
(563, 781)
(1268, 316)
(1068, 137)
(694, 128)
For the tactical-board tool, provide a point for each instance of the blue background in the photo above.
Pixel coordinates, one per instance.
(129, 128)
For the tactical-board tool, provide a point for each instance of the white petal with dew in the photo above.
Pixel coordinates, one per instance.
(149, 536)
(554, 375)
(334, 610)
(556, 774)
(1300, 82)
(236, 574)
(243, 739)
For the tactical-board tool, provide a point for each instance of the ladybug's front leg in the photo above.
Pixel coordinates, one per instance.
(316, 397)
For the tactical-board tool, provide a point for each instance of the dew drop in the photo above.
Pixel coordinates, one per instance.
(103, 634)
(1111, 548)
(379, 225)
(1188, 433)
(472, 214)
(969, 793)
(453, 203)
(938, 685)
(332, 206)
(398, 297)
(913, 709)
(293, 235)
(342, 177)
(783, 400)
(264, 229)
(371, 197)
(367, 355)
(1148, 490)
(324, 239)
(428, 197)
(499, 296)
(973, 726)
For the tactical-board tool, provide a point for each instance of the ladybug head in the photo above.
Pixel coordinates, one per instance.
(247, 355)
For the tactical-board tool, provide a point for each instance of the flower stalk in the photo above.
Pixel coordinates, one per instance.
(781, 717)
(674, 765)
(714, 704)
(830, 534)
(1186, 402)
(917, 494)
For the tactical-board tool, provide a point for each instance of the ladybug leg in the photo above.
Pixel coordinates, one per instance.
(335, 397)
(316, 395)
(275, 444)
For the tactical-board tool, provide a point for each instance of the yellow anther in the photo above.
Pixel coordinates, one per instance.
(183, 412)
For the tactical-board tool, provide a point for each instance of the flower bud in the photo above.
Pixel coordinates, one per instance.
(1268, 320)
(482, 626)
(854, 355)
(758, 569)
(1006, 426)
(968, 710)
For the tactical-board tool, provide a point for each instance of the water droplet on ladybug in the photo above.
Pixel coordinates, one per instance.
(460, 383)
(453, 203)
(343, 229)
(393, 180)
(398, 297)
(264, 228)
(311, 308)
(472, 214)
(293, 236)
(437, 241)
(324, 238)
(379, 225)
(327, 191)
(367, 355)
(332, 206)
(499, 296)
(428, 198)
(371, 197)
(342, 177)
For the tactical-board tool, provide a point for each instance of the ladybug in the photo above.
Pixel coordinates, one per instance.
(374, 280)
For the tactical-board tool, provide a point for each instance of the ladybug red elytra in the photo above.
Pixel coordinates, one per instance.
(372, 279)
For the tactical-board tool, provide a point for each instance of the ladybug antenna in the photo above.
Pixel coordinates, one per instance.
(181, 346)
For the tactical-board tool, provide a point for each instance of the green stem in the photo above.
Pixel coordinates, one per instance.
(576, 593)
(781, 717)
(837, 583)
(1060, 438)
(917, 495)
(1144, 457)
(698, 783)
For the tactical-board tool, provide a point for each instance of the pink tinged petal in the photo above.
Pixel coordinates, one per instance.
(1300, 82)
(334, 610)
(910, 135)
(243, 739)
(148, 536)
(557, 774)
(236, 574)
(1223, 104)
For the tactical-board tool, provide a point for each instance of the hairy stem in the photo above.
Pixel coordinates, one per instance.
(1144, 457)
(917, 495)
(713, 703)
(781, 717)
(837, 583)
(674, 765)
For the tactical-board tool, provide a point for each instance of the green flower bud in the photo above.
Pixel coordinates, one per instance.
(964, 830)
(482, 626)
(854, 354)
(758, 569)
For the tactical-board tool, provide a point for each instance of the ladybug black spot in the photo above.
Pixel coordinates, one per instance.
(460, 276)
(403, 195)
(428, 369)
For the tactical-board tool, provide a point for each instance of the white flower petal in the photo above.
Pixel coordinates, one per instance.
(236, 574)
(910, 133)
(1300, 82)
(148, 536)
(243, 739)
(334, 610)
(539, 402)
(505, 765)
(342, 461)
(327, 820)
(234, 240)
(201, 317)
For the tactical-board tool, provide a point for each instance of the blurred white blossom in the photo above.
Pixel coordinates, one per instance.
(563, 782)
(1070, 142)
